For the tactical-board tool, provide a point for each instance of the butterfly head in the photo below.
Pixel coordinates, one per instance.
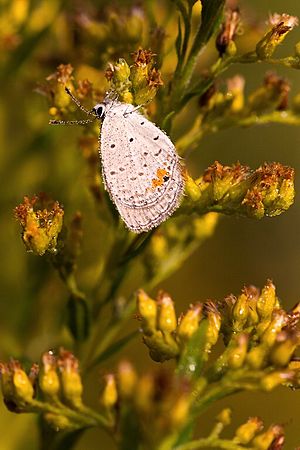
(99, 110)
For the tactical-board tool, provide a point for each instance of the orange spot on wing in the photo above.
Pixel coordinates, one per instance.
(159, 181)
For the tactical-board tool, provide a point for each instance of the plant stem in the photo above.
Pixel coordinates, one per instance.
(210, 443)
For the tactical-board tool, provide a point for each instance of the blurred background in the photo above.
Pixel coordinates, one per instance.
(37, 36)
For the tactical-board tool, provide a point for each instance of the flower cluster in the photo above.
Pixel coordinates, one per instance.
(138, 83)
(258, 334)
(41, 219)
(268, 191)
(53, 388)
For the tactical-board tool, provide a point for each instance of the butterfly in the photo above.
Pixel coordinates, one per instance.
(140, 167)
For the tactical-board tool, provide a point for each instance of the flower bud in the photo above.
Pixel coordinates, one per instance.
(240, 313)
(229, 29)
(284, 348)
(144, 393)
(246, 432)
(159, 246)
(266, 439)
(121, 71)
(48, 377)
(109, 396)
(167, 322)
(144, 77)
(274, 379)
(266, 301)
(23, 389)
(214, 323)
(278, 321)
(70, 379)
(179, 411)
(192, 189)
(236, 355)
(236, 90)
(147, 308)
(224, 417)
(127, 378)
(281, 25)
(257, 357)
(189, 322)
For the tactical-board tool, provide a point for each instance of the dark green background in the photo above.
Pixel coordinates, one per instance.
(36, 158)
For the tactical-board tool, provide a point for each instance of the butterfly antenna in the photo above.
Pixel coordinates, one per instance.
(71, 122)
(77, 102)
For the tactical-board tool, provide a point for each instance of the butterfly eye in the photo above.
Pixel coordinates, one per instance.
(99, 110)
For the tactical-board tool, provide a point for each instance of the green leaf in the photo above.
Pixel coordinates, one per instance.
(178, 41)
(194, 355)
(211, 15)
(78, 317)
(130, 432)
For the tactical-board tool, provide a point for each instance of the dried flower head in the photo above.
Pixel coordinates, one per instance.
(229, 30)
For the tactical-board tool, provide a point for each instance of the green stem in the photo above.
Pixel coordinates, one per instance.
(83, 418)
(210, 443)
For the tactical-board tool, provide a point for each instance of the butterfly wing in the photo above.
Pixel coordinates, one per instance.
(140, 168)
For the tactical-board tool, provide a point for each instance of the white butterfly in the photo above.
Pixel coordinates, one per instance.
(140, 167)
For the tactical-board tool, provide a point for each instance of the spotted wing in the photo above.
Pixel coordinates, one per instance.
(141, 169)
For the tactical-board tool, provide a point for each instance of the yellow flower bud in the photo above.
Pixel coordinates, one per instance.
(179, 411)
(49, 383)
(126, 97)
(48, 377)
(109, 396)
(214, 324)
(144, 393)
(70, 378)
(72, 387)
(284, 348)
(275, 326)
(192, 189)
(53, 111)
(257, 356)
(61, 100)
(159, 246)
(274, 379)
(189, 322)
(240, 313)
(266, 301)
(167, 322)
(127, 378)
(246, 432)
(231, 49)
(264, 440)
(22, 386)
(237, 354)
(147, 308)
(224, 417)
(121, 71)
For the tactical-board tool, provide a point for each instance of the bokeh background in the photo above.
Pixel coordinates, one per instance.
(36, 36)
